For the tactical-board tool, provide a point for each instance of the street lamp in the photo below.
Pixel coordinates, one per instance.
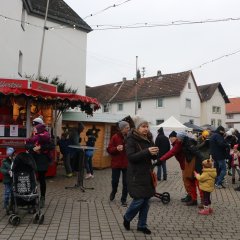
(136, 98)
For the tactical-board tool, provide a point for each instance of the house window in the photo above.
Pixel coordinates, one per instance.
(20, 62)
(120, 107)
(105, 108)
(213, 123)
(189, 85)
(139, 105)
(159, 121)
(23, 18)
(229, 116)
(230, 125)
(216, 109)
(219, 123)
(188, 103)
(160, 102)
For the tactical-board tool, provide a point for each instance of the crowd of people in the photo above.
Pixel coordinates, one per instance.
(204, 160)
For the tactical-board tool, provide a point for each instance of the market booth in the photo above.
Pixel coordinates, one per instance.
(23, 100)
(102, 126)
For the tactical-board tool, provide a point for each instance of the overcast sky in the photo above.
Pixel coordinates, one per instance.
(111, 54)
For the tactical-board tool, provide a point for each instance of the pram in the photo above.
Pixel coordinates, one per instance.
(24, 189)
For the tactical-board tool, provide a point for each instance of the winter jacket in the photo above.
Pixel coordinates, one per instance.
(207, 179)
(219, 148)
(235, 159)
(139, 178)
(162, 142)
(119, 158)
(204, 147)
(5, 168)
(177, 152)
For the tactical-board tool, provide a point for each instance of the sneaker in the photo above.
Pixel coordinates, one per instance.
(126, 224)
(112, 196)
(69, 175)
(204, 211)
(88, 176)
(144, 230)
(218, 186)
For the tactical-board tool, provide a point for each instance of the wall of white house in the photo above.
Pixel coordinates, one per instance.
(207, 108)
(192, 112)
(234, 121)
(64, 53)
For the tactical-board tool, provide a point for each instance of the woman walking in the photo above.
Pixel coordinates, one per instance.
(140, 151)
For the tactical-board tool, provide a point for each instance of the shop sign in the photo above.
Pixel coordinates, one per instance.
(13, 83)
(36, 85)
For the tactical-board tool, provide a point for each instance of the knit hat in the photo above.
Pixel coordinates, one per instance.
(138, 121)
(10, 151)
(205, 133)
(160, 131)
(181, 135)
(208, 163)
(123, 124)
(220, 128)
(40, 128)
(172, 134)
(37, 121)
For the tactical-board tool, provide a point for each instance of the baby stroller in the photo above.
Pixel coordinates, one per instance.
(24, 189)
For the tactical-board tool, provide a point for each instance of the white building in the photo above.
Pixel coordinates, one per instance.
(64, 51)
(233, 113)
(154, 98)
(214, 99)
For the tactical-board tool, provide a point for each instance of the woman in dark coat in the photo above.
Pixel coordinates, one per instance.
(140, 150)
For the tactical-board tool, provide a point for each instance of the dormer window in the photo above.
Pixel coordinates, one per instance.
(189, 85)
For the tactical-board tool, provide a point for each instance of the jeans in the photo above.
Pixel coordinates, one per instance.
(162, 167)
(7, 194)
(88, 164)
(67, 163)
(140, 206)
(115, 180)
(221, 167)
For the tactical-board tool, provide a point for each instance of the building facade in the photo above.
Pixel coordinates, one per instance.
(64, 48)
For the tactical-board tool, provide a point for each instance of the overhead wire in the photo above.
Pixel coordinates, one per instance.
(105, 9)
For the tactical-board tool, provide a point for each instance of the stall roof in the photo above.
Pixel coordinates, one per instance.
(97, 117)
(61, 100)
(193, 127)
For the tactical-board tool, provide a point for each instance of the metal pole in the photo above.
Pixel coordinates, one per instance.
(43, 37)
(136, 85)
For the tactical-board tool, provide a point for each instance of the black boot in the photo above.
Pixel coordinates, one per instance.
(233, 180)
(186, 199)
(42, 202)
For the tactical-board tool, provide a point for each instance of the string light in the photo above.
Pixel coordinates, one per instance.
(105, 9)
(102, 27)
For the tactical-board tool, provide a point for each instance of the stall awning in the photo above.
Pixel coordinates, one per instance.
(60, 100)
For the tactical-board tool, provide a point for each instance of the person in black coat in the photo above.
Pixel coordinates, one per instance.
(162, 142)
(219, 149)
(140, 151)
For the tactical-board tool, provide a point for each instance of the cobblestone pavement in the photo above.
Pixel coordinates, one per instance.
(72, 214)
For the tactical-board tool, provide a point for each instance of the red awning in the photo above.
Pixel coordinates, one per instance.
(73, 100)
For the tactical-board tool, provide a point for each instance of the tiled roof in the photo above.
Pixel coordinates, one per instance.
(58, 11)
(208, 90)
(233, 106)
(166, 85)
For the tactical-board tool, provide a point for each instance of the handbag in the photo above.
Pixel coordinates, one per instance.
(154, 178)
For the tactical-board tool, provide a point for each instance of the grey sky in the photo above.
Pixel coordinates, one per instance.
(111, 54)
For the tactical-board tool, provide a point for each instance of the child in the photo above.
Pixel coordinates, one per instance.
(40, 138)
(235, 162)
(206, 184)
(7, 178)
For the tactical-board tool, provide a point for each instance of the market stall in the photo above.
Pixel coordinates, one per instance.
(23, 100)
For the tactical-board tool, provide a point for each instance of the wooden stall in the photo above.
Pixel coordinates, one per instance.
(103, 125)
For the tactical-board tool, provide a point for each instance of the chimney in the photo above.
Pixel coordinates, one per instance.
(124, 79)
(159, 73)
